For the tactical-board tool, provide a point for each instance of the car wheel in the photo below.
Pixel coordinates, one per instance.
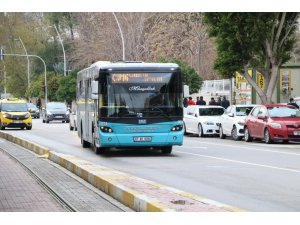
(221, 134)
(247, 136)
(200, 131)
(43, 121)
(166, 150)
(268, 138)
(234, 134)
(47, 121)
(185, 133)
(285, 141)
(2, 127)
(28, 127)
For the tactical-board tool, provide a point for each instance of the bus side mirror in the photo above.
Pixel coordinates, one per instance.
(94, 90)
(94, 87)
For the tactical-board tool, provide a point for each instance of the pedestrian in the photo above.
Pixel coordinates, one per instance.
(225, 103)
(218, 102)
(212, 101)
(185, 102)
(293, 103)
(191, 102)
(38, 103)
(201, 101)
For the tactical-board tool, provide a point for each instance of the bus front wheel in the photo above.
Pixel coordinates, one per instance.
(166, 150)
(98, 150)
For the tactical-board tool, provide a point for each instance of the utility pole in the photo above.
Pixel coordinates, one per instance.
(121, 33)
(63, 49)
(28, 74)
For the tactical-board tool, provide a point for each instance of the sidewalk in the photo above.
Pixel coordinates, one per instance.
(41, 186)
(19, 191)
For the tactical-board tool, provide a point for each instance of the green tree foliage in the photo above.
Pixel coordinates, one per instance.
(189, 74)
(262, 41)
(67, 88)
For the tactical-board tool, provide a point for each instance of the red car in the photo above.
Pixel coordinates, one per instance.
(273, 122)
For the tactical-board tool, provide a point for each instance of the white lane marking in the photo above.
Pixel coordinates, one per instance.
(235, 147)
(241, 162)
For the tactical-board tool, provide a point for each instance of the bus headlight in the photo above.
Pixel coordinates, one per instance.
(177, 128)
(106, 129)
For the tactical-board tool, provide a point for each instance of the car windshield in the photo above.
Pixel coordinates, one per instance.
(211, 111)
(242, 111)
(60, 106)
(31, 106)
(14, 107)
(283, 112)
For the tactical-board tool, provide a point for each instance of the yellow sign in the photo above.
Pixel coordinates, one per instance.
(260, 80)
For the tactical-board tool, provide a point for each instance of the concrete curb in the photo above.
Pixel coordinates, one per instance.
(136, 193)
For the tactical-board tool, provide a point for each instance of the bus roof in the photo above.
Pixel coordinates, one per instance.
(125, 66)
(132, 64)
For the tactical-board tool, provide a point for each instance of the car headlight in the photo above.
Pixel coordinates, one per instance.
(209, 123)
(6, 115)
(48, 113)
(241, 123)
(27, 115)
(275, 125)
(37, 110)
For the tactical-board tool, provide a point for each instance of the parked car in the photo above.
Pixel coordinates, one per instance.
(203, 120)
(55, 111)
(273, 122)
(233, 120)
(73, 121)
(34, 111)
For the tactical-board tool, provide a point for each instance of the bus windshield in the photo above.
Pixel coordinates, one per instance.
(141, 95)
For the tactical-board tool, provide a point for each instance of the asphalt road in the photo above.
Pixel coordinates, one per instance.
(252, 176)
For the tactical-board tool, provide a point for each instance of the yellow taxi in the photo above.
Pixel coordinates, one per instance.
(14, 113)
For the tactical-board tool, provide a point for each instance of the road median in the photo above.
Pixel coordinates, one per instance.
(137, 193)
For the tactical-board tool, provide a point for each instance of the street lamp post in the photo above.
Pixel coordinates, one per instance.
(45, 69)
(28, 74)
(63, 49)
(120, 29)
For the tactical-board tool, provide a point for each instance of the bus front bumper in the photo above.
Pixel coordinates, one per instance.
(141, 139)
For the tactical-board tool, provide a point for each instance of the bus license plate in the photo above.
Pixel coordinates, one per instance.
(296, 132)
(142, 139)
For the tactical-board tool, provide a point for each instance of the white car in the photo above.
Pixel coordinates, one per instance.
(233, 120)
(73, 121)
(202, 120)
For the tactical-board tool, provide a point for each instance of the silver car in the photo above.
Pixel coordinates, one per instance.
(55, 111)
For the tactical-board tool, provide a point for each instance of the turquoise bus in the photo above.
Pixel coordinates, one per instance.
(130, 104)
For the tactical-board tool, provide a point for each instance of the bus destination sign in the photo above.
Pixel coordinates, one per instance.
(139, 78)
